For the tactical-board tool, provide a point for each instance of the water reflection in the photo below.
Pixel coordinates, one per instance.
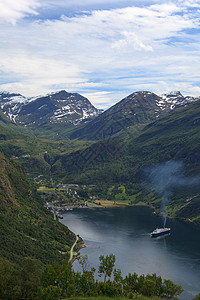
(125, 232)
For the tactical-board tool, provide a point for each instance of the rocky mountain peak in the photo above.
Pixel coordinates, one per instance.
(55, 107)
(175, 100)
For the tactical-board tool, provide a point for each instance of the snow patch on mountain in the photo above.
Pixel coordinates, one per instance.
(174, 100)
(53, 107)
(75, 109)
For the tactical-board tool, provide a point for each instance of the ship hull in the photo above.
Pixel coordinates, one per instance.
(160, 233)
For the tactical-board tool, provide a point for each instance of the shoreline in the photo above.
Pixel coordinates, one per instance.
(74, 255)
(122, 205)
(155, 210)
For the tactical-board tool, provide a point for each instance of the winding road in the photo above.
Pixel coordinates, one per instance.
(72, 249)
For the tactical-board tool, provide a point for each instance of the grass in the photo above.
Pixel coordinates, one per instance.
(110, 203)
(45, 189)
(135, 296)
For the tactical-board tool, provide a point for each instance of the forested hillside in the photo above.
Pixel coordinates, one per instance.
(26, 228)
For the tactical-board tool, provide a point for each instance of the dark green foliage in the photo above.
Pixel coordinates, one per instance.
(19, 283)
(29, 279)
(51, 292)
(59, 281)
(8, 280)
(151, 285)
(148, 288)
(54, 131)
(110, 289)
(71, 283)
(170, 290)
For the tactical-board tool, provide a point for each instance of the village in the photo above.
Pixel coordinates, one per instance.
(66, 197)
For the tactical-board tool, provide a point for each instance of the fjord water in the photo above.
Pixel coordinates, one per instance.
(125, 232)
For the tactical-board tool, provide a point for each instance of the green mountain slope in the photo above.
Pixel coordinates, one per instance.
(136, 110)
(175, 136)
(10, 130)
(36, 155)
(26, 228)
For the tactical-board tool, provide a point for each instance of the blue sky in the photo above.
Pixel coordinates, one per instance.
(104, 50)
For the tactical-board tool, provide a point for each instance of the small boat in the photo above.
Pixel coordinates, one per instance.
(160, 231)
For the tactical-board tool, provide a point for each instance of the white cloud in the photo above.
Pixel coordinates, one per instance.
(189, 3)
(13, 10)
(116, 51)
(104, 100)
(35, 74)
(131, 40)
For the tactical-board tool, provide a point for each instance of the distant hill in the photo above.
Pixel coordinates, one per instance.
(131, 114)
(11, 130)
(26, 228)
(50, 116)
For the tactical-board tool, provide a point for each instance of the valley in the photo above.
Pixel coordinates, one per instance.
(168, 131)
(99, 150)
(140, 152)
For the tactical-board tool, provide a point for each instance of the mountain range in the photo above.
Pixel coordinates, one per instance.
(61, 114)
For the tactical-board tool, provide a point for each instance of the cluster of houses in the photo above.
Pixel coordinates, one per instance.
(65, 197)
(57, 210)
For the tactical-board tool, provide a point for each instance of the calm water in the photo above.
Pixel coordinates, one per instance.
(125, 233)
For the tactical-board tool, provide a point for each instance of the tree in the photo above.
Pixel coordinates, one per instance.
(109, 288)
(171, 290)
(29, 278)
(197, 297)
(118, 276)
(83, 261)
(148, 288)
(85, 283)
(60, 278)
(159, 283)
(50, 293)
(50, 275)
(8, 280)
(106, 265)
(130, 283)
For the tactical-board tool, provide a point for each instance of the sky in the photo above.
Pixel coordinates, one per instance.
(104, 50)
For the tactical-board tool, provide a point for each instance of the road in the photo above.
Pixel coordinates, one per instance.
(72, 249)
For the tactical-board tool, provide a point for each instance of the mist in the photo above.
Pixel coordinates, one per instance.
(164, 177)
